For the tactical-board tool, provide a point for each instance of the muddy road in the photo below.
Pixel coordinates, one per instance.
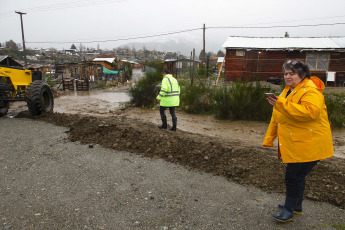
(50, 181)
(231, 149)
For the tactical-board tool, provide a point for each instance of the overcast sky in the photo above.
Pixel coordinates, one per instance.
(49, 23)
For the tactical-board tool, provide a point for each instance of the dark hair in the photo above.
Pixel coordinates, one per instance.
(297, 66)
(166, 71)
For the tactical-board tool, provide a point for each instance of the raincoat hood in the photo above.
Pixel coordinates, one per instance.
(318, 83)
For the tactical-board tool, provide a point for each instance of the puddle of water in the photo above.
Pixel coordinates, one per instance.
(112, 97)
(92, 102)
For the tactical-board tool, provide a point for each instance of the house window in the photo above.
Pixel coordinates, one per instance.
(240, 53)
(318, 61)
(179, 65)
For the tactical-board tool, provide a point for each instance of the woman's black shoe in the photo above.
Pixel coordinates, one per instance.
(283, 216)
(295, 211)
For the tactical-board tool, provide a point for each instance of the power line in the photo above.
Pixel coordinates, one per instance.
(60, 6)
(73, 5)
(124, 39)
(299, 20)
(269, 27)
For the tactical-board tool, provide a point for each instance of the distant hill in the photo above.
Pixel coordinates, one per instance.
(179, 46)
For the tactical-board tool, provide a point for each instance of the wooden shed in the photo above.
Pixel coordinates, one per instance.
(109, 63)
(170, 64)
(81, 71)
(185, 63)
(262, 58)
(9, 61)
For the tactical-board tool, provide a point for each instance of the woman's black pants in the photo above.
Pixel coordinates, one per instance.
(295, 177)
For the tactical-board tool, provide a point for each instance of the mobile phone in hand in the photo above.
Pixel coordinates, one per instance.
(269, 94)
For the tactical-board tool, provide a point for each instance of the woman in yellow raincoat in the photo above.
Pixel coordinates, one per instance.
(300, 122)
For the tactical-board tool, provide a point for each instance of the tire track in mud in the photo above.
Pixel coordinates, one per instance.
(235, 160)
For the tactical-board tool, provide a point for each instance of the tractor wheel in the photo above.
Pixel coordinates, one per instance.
(4, 105)
(39, 98)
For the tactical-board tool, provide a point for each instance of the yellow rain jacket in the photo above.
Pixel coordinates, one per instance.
(301, 124)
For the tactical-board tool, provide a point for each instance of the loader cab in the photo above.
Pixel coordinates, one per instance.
(36, 75)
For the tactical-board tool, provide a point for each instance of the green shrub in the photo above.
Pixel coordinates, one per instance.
(242, 101)
(144, 92)
(336, 109)
(47, 78)
(196, 98)
(222, 103)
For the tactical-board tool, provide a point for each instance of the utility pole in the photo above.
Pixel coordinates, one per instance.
(208, 60)
(21, 20)
(204, 30)
(190, 67)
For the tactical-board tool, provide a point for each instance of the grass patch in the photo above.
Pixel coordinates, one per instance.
(338, 226)
(333, 226)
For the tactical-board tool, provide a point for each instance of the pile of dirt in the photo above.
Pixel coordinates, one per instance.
(237, 161)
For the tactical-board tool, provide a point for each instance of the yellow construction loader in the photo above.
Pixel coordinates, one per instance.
(19, 84)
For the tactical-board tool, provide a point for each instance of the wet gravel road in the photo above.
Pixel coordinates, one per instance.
(48, 182)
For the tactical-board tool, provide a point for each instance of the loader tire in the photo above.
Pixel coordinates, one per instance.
(39, 98)
(4, 108)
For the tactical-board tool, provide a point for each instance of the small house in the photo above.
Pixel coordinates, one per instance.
(45, 68)
(170, 64)
(109, 63)
(262, 58)
(213, 60)
(186, 63)
(9, 61)
(81, 71)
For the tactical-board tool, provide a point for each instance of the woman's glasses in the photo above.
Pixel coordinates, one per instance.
(293, 62)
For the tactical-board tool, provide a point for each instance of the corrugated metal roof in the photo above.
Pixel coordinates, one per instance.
(220, 59)
(284, 43)
(2, 57)
(9, 61)
(339, 41)
(170, 60)
(110, 60)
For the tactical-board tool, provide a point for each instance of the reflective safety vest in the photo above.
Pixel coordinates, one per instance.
(169, 94)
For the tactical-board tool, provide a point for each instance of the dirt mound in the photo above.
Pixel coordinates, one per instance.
(238, 161)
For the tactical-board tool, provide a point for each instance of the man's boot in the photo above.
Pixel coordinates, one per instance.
(174, 121)
(164, 124)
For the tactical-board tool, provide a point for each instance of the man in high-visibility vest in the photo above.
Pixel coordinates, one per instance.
(169, 97)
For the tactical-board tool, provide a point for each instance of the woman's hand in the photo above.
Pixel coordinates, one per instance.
(272, 99)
